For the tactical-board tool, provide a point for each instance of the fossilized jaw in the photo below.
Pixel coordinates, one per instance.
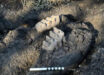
(53, 39)
(47, 23)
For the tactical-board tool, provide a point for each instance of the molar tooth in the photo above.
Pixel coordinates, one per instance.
(53, 39)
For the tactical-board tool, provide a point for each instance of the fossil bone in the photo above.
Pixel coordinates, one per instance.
(53, 39)
(47, 23)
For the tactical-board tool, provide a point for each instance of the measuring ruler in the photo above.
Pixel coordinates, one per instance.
(47, 69)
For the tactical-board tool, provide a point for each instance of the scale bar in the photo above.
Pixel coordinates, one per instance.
(47, 69)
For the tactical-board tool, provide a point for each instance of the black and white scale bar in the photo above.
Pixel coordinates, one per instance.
(47, 69)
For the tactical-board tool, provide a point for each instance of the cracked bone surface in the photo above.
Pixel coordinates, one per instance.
(53, 39)
(47, 23)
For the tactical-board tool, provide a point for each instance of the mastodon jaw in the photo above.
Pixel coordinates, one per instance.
(47, 23)
(53, 39)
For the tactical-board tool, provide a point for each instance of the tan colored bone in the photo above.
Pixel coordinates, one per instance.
(47, 23)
